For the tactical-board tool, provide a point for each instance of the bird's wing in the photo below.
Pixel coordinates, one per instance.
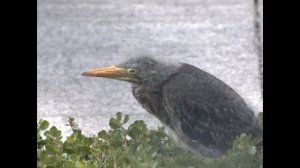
(204, 108)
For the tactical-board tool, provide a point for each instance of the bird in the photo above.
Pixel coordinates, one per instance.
(204, 113)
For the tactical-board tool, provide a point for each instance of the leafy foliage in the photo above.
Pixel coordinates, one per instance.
(134, 147)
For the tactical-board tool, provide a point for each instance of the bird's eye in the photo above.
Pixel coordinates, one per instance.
(132, 71)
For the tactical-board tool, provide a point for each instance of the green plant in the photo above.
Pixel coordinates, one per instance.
(132, 147)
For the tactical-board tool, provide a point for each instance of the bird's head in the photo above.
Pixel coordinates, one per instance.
(139, 70)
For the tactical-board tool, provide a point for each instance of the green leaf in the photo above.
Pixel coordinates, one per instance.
(71, 119)
(51, 148)
(137, 128)
(41, 143)
(74, 157)
(119, 116)
(43, 155)
(44, 125)
(90, 165)
(114, 124)
(68, 150)
(69, 164)
(54, 132)
(71, 139)
(103, 135)
(104, 147)
(126, 118)
(88, 141)
(83, 150)
(116, 143)
(79, 165)
(49, 166)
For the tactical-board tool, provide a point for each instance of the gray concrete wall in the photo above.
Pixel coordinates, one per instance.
(75, 35)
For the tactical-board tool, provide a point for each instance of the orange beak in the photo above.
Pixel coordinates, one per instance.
(107, 72)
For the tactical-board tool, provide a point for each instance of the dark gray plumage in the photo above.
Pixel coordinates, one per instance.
(204, 112)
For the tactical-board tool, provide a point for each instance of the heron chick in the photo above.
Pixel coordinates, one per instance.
(204, 113)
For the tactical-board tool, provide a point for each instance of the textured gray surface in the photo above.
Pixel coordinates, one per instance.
(258, 5)
(75, 35)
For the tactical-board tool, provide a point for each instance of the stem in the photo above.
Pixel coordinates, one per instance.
(125, 140)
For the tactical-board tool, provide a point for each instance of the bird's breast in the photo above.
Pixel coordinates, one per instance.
(151, 101)
(148, 98)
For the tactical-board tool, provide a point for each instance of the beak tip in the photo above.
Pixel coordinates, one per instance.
(84, 74)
